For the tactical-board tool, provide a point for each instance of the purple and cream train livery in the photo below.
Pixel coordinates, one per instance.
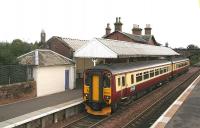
(105, 86)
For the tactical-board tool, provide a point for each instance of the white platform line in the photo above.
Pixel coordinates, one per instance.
(177, 102)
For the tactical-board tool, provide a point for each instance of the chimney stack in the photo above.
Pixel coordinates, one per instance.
(108, 29)
(147, 29)
(136, 30)
(118, 24)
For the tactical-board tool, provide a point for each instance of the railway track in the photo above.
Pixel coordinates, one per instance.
(152, 105)
(149, 115)
(86, 121)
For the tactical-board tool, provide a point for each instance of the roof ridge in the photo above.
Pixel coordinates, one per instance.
(73, 39)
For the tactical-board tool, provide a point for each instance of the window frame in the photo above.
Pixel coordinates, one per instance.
(146, 73)
(139, 75)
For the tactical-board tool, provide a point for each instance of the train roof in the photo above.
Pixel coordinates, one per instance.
(179, 59)
(133, 66)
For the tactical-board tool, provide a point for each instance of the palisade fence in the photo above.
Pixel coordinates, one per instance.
(10, 74)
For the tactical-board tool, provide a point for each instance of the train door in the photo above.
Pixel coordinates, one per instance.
(95, 87)
(123, 87)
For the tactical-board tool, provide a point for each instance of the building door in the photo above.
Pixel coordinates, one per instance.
(66, 79)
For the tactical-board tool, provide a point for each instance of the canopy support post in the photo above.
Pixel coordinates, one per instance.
(94, 60)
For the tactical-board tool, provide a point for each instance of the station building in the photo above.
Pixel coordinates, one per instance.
(138, 42)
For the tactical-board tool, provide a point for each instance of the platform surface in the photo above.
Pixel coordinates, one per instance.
(24, 107)
(188, 115)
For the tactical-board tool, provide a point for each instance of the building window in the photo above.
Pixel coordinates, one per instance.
(138, 77)
(152, 73)
(146, 75)
(132, 79)
(123, 81)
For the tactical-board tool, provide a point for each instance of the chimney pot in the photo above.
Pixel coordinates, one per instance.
(118, 24)
(136, 30)
(108, 29)
(148, 29)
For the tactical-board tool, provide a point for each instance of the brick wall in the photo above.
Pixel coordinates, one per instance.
(16, 92)
(59, 47)
(119, 36)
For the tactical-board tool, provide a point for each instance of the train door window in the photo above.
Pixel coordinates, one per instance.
(138, 77)
(146, 75)
(119, 81)
(123, 81)
(156, 72)
(132, 79)
(152, 73)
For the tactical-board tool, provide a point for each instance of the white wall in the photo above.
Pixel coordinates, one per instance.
(51, 79)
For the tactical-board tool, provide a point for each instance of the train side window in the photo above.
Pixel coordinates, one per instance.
(123, 80)
(152, 73)
(132, 79)
(119, 81)
(146, 75)
(161, 70)
(156, 72)
(138, 77)
(165, 69)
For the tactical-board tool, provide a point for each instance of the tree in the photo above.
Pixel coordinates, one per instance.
(192, 46)
(10, 51)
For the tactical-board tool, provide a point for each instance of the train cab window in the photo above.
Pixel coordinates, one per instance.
(123, 81)
(146, 75)
(138, 77)
(88, 79)
(152, 73)
(119, 81)
(106, 81)
(156, 72)
(132, 79)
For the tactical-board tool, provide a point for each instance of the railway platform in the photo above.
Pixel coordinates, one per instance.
(184, 112)
(16, 114)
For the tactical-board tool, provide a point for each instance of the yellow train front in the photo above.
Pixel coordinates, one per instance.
(97, 92)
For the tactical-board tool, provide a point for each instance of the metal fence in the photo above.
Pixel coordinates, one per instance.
(15, 73)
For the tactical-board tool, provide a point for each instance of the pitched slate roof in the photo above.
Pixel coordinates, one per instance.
(121, 49)
(75, 44)
(44, 57)
(137, 38)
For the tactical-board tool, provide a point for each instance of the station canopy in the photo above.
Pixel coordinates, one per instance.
(107, 48)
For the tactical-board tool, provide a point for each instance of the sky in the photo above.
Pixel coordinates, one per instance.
(174, 21)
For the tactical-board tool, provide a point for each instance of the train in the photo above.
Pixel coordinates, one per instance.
(106, 86)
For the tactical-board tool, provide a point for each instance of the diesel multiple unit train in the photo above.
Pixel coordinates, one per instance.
(105, 86)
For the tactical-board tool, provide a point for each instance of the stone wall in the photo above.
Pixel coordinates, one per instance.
(16, 92)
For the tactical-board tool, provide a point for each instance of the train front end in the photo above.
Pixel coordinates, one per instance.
(97, 91)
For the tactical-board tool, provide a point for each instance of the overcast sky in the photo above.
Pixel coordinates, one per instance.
(174, 21)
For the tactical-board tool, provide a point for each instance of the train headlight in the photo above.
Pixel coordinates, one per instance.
(107, 97)
(86, 96)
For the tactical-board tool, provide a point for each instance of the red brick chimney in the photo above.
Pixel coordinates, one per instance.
(118, 24)
(136, 30)
(147, 29)
(108, 29)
